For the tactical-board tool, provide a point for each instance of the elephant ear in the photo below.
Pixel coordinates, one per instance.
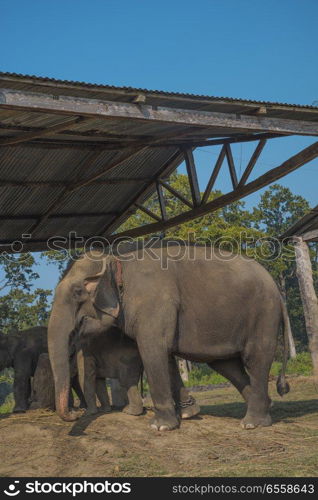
(106, 296)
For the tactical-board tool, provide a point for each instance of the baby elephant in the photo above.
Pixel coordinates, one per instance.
(110, 355)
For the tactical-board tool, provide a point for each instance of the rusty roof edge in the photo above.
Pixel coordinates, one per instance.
(132, 91)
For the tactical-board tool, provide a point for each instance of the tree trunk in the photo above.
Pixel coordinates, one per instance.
(184, 369)
(292, 348)
(309, 298)
(119, 396)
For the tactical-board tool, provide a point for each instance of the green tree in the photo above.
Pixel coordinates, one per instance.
(21, 306)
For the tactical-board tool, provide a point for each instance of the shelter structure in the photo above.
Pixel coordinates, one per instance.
(301, 233)
(78, 158)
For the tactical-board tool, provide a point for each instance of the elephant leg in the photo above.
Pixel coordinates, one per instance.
(156, 365)
(77, 388)
(129, 376)
(71, 399)
(233, 369)
(135, 405)
(22, 382)
(90, 384)
(184, 402)
(258, 364)
(102, 394)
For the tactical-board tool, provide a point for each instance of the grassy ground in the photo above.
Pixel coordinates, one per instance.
(203, 375)
(38, 443)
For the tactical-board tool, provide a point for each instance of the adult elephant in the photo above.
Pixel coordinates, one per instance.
(225, 311)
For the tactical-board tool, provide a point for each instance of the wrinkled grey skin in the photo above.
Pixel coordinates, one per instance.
(226, 312)
(111, 355)
(21, 350)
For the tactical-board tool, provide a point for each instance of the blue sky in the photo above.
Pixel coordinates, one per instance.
(253, 49)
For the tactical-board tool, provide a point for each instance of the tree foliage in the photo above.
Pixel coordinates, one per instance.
(21, 304)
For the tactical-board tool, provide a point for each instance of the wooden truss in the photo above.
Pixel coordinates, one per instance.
(201, 205)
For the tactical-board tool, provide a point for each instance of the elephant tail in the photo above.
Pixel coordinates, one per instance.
(282, 384)
(142, 383)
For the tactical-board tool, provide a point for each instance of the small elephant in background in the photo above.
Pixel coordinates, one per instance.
(21, 350)
(43, 393)
(26, 352)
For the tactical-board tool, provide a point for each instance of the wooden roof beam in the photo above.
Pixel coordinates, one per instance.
(19, 100)
(29, 136)
(293, 163)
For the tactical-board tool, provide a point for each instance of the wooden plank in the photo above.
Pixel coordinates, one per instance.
(259, 148)
(54, 184)
(162, 201)
(214, 175)
(28, 136)
(272, 175)
(148, 212)
(170, 141)
(238, 138)
(19, 100)
(192, 175)
(310, 235)
(176, 193)
(59, 216)
(130, 93)
(230, 161)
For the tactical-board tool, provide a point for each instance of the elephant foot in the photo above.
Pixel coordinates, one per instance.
(71, 416)
(251, 422)
(134, 410)
(90, 411)
(19, 409)
(164, 421)
(189, 408)
(105, 409)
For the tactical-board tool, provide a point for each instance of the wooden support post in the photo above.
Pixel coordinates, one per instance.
(148, 212)
(193, 178)
(176, 193)
(308, 297)
(253, 160)
(230, 161)
(292, 347)
(183, 368)
(214, 175)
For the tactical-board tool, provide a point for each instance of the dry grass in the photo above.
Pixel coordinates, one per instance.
(39, 444)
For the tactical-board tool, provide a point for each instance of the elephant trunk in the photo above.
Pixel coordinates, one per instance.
(60, 326)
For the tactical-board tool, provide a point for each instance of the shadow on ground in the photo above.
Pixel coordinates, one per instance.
(280, 410)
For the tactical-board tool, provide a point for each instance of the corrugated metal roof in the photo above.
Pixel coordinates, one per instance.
(96, 86)
(36, 176)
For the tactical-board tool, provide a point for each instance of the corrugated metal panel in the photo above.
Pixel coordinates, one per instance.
(27, 82)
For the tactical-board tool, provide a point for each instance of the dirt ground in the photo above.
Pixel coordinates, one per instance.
(39, 444)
